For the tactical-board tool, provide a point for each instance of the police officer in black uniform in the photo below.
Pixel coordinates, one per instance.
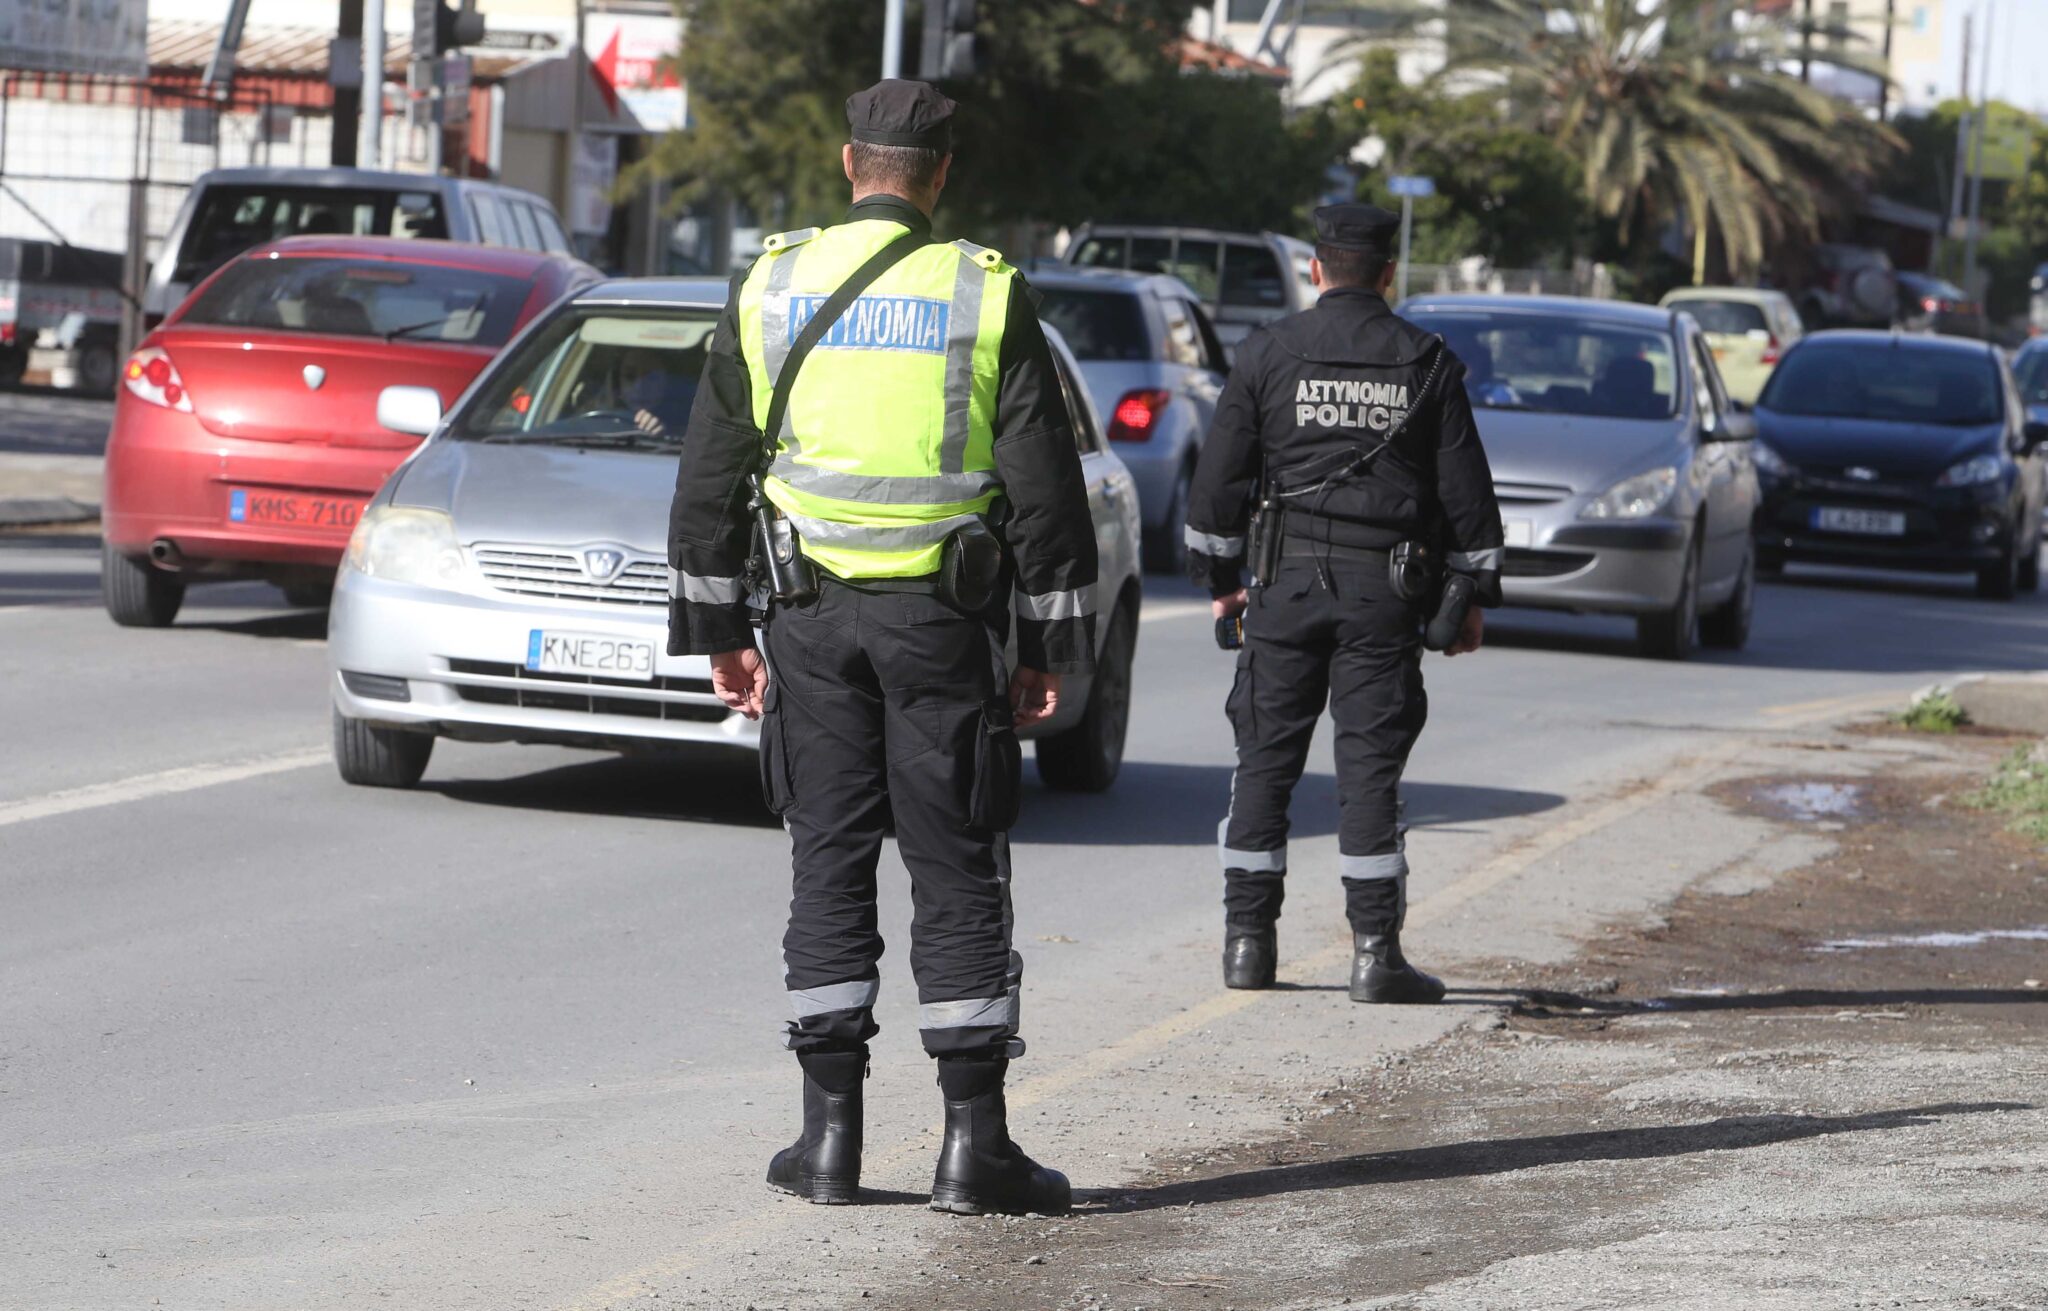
(1350, 432)
(886, 698)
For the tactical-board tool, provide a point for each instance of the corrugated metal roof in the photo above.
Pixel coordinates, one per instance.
(180, 44)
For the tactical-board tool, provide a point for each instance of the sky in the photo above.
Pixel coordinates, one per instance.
(2019, 54)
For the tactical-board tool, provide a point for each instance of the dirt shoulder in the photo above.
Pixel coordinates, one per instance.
(1819, 1089)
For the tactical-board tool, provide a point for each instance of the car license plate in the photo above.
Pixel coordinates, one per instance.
(589, 653)
(1518, 532)
(1870, 523)
(293, 509)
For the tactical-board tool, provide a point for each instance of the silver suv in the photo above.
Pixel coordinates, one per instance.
(1243, 278)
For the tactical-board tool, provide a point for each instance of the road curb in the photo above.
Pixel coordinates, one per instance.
(36, 511)
(2015, 703)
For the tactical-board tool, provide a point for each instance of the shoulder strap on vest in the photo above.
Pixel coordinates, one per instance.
(981, 255)
(782, 241)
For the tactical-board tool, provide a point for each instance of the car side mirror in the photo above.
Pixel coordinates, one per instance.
(2034, 434)
(415, 411)
(1733, 426)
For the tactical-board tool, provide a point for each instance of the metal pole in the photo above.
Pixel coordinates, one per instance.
(1977, 170)
(370, 133)
(1884, 88)
(892, 38)
(1401, 271)
(1806, 43)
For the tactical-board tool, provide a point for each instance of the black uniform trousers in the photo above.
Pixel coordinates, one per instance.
(1324, 631)
(890, 705)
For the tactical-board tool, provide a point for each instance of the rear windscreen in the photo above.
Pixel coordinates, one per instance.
(231, 219)
(1098, 325)
(1733, 317)
(363, 298)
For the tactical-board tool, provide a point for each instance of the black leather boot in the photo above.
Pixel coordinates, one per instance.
(980, 1169)
(1251, 953)
(824, 1164)
(1380, 973)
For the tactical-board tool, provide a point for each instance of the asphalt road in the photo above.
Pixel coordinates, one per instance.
(267, 1041)
(43, 422)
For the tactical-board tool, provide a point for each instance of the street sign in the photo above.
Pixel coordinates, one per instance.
(1411, 185)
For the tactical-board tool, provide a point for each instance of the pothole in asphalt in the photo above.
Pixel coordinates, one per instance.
(1812, 802)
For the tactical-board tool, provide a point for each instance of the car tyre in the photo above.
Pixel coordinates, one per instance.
(1166, 547)
(369, 755)
(1088, 756)
(1671, 634)
(137, 594)
(308, 596)
(1727, 628)
(2000, 581)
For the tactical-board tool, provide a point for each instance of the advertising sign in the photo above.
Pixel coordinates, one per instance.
(632, 56)
(76, 36)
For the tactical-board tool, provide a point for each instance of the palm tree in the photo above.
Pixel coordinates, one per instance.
(1679, 110)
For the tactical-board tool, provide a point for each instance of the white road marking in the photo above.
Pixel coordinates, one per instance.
(163, 783)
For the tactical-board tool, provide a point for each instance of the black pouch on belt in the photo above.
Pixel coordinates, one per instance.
(1412, 572)
(971, 570)
(1268, 522)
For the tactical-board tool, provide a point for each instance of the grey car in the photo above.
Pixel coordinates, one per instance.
(1154, 365)
(1625, 475)
(1243, 278)
(510, 582)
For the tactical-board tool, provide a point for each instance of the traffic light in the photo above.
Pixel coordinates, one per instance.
(439, 27)
(949, 49)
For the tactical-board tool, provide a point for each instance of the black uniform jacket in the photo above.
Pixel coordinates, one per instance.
(1309, 392)
(1043, 515)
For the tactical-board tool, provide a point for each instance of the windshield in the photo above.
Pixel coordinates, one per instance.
(1895, 382)
(1558, 365)
(2030, 371)
(587, 379)
(232, 219)
(1730, 317)
(363, 298)
(1098, 325)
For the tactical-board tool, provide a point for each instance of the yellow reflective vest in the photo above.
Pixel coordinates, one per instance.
(887, 447)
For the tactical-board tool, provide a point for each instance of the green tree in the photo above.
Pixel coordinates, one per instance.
(1678, 116)
(1078, 111)
(1504, 192)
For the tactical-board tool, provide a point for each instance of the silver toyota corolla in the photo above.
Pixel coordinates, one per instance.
(1624, 472)
(510, 582)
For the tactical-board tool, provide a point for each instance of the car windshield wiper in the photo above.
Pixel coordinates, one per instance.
(603, 437)
(408, 329)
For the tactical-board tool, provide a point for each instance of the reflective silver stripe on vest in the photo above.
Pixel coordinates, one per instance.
(706, 591)
(1251, 862)
(1223, 548)
(1057, 605)
(857, 995)
(1473, 562)
(1393, 865)
(775, 329)
(939, 489)
(868, 537)
(963, 327)
(975, 1012)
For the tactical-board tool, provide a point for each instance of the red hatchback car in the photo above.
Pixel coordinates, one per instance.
(246, 432)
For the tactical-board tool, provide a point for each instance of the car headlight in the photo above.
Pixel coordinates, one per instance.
(405, 544)
(1973, 471)
(1769, 461)
(1634, 498)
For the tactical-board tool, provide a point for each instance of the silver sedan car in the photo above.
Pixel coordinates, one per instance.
(1624, 472)
(510, 582)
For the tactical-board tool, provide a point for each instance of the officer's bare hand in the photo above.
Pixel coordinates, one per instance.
(1034, 696)
(741, 680)
(1231, 604)
(1471, 634)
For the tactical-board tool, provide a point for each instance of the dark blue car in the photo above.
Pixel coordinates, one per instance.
(1901, 452)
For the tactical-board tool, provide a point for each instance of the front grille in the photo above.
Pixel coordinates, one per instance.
(1522, 563)
(1529, 493)
(585, 694)
(561, 575)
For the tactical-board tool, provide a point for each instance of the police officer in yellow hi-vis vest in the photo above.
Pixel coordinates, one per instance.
(879, 468)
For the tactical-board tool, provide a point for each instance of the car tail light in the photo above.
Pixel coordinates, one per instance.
(6, 334)
(151, 376)
(1136, 413)
(1771, 349)
(1932, 304)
